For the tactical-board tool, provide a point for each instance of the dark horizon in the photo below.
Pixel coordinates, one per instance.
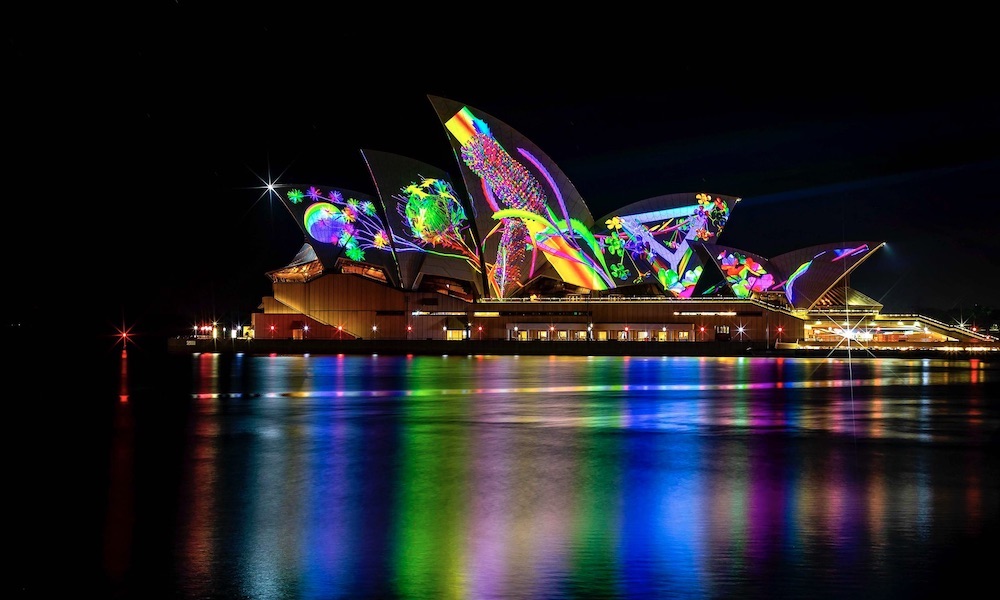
(146, 193)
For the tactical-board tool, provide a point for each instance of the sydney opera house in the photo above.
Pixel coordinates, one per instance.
(510, 251)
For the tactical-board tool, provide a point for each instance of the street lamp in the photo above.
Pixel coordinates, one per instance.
(374, 330)
(444, 330)
(305, 330)
(515, 333)
(480, 332)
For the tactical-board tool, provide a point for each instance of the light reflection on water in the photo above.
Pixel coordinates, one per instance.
(563, 477)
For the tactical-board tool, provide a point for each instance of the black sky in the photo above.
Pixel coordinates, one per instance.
(136, 150)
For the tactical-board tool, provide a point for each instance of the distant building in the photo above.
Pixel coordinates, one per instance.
(513, 252)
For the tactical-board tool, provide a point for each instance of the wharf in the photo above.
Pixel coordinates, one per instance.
(559, 348)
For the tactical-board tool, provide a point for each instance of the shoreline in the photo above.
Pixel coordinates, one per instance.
(560, 348)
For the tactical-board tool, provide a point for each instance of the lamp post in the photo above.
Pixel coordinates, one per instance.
(516, 338)
(374, 331)
(444, 331)
(305, 330)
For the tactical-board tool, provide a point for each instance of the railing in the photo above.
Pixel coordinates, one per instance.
(986, 337)
(623, 299)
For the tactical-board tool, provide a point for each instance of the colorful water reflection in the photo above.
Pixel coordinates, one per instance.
(503, 477)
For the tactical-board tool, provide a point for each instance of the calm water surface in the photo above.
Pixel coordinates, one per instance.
(215, 476)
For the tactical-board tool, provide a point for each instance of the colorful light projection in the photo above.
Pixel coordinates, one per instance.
(790, 283)
(348, 223)
(655, 245)
(745, 275)
(526, 224)
(825, 279)
(436, 221)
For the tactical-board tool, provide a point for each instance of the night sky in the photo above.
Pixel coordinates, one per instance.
(137, 154)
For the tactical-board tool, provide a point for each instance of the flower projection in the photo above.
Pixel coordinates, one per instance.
(744, 274)
(655, 246)
(351, 224)
(525, 221)
(436, 220)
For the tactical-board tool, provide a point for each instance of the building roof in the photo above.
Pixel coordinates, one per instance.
(517, 225)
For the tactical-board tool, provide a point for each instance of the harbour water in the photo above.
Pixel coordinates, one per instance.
(481, 477)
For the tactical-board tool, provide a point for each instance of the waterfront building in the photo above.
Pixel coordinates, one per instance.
(510, 251)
